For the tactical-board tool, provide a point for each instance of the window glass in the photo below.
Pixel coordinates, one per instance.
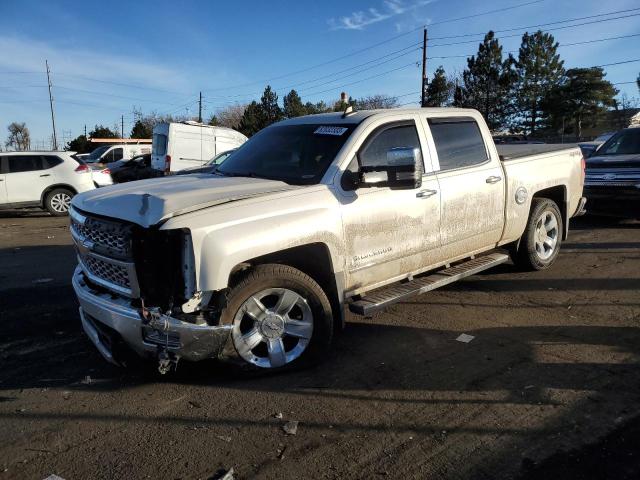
(626, 142)
(159, 145)
(24, 163)
(458, 143)
(116, 154)
(375, 153)
(50, 161)
(297, 154)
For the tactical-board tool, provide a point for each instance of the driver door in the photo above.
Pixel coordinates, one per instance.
(389, 232)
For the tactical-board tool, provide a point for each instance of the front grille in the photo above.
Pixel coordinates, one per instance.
(107, 237)
(109, 272)
(105, 252)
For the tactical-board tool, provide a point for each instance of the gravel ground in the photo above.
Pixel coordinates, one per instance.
(548, 388)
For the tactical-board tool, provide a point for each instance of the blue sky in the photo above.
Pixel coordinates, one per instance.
(107, 57)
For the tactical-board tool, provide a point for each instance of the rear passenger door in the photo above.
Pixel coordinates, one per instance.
(471, 186)
(26, 178)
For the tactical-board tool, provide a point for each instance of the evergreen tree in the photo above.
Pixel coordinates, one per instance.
(271, 111)
(252, 120)
(580, 100)
(213, 121)
(539, 70)
(439, 89)
(101, 131)
(488, 82)
(141, 130)
(80, 144)
(293, 106)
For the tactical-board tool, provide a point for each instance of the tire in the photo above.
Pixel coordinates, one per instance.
(57, 202)
(265, 338)
(537, 251)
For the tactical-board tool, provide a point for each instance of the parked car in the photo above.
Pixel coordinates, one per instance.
(208, 167)
(111, 153)
(256, 262)
(137, 168)
(48, 180)
(612, 182)
(588, 148)
(177, 146)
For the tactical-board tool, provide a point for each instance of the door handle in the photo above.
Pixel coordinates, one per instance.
(46, 175)
(493, 179)
(426, 193)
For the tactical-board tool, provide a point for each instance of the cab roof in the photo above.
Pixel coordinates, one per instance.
(338, 118)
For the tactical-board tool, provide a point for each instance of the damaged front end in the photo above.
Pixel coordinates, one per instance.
(137, 287)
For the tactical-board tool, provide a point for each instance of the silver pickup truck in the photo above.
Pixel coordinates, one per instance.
(256, 262)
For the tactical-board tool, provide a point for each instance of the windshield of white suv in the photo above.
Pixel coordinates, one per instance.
(296, 154)
(622, 143)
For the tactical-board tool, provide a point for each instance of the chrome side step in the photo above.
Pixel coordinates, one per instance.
(383, 297)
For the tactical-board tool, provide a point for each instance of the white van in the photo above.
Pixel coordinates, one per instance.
(190, 144)
(112, 153)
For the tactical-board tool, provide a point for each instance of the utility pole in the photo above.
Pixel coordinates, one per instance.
(200, 109)
(85, 130)
(122, 126)
(423, 101)
(53, 118)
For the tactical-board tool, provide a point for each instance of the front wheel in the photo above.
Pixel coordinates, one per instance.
(540, 242)
(280, 317)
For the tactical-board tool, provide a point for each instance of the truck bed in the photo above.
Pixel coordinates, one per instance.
(513, 152)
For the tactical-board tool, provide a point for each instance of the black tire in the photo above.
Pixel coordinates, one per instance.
(57, 202)
(274, 276)
(528, 256)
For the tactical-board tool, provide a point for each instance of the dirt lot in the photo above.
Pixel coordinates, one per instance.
(548, 388)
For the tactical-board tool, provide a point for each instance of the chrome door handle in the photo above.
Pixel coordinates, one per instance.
(493, 179)
(46, 175)
(426, 193)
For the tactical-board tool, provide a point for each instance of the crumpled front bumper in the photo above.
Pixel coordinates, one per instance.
(108, 320)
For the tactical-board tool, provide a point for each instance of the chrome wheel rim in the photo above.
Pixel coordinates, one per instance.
(272, 327)
(546, 235)
(60, 202)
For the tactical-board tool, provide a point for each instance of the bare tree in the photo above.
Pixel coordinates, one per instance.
(230, 116)
(19, 138)
(373, 102)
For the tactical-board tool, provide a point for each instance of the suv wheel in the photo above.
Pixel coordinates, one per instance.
(280, 317)
(540, 243)
(58, 201)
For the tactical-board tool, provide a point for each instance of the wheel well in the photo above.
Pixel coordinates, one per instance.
(559, 195)
(313, 259)
(53, 187)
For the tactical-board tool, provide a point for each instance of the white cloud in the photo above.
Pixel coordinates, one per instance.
(361, 19)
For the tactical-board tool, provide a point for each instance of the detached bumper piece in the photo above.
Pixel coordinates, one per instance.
(383, 297)
(110, 321)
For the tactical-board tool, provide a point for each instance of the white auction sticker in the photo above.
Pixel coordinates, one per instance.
(327, 130)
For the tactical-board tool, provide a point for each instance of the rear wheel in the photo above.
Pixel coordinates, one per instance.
(58, 201)
(280, 317)
(540, 242)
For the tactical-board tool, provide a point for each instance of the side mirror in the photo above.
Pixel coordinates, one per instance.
(403, 170)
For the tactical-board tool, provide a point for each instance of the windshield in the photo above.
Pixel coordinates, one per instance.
(622, 143)
(97, 153)
(296, 154)
(218, 159)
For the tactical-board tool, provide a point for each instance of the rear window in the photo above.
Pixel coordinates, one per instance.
(458, 142)
(24, 163)
(626, 142)
(50, 161)
(159, 146)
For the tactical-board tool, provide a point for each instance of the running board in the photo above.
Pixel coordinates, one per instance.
(383, 297)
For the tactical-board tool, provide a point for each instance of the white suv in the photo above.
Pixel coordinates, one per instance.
(42, 179)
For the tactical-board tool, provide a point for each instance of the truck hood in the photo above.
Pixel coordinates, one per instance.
(614, 161)
(150, 202)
